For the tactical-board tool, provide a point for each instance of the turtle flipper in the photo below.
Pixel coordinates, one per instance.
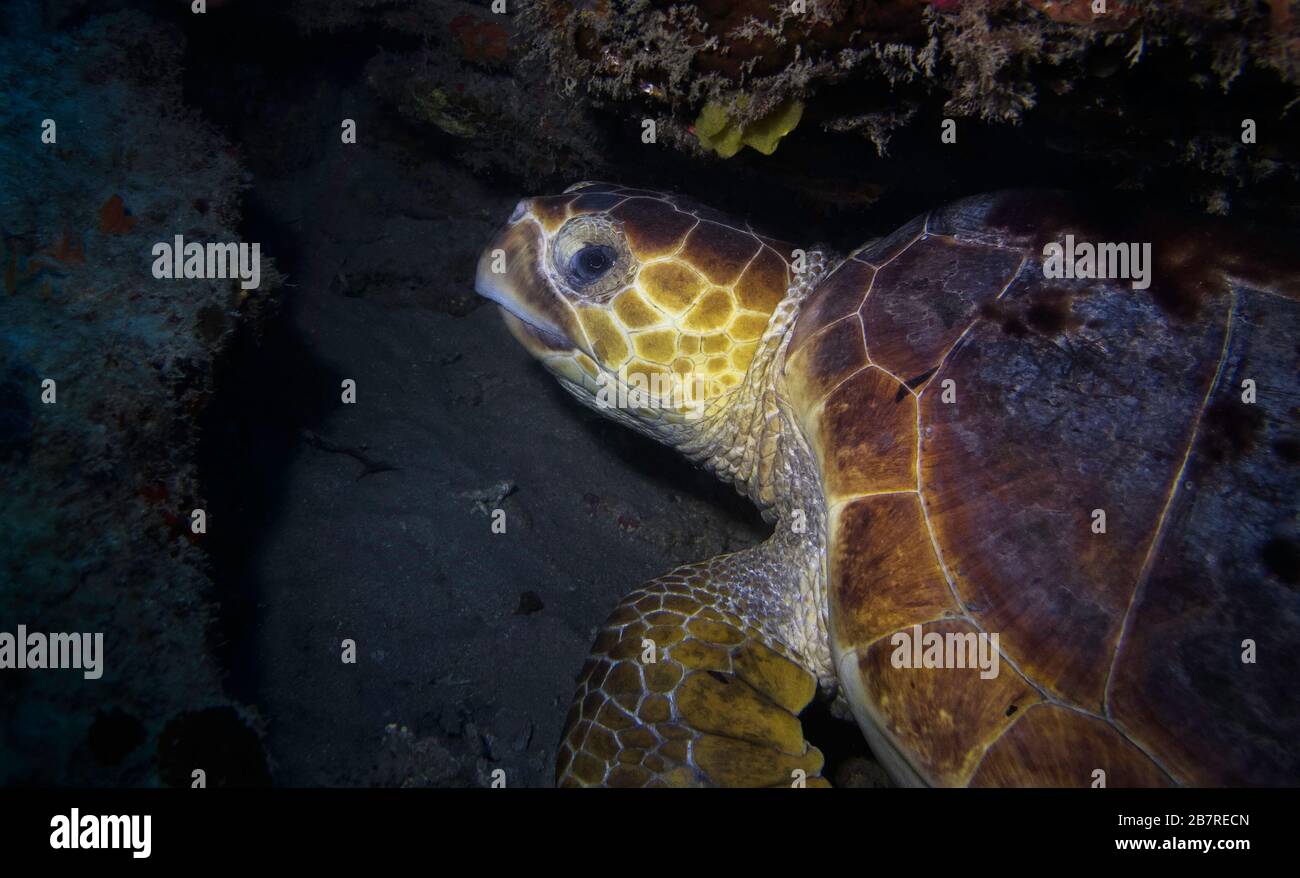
(681, 690)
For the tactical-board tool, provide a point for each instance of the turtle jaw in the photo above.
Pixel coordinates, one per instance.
(537, 340)
(510, 274)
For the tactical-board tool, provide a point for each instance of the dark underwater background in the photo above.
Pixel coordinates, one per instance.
(369, 521)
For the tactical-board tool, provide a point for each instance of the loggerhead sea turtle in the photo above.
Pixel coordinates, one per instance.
(1029, 530)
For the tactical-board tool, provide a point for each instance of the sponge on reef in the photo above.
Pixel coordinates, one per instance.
(718, 131)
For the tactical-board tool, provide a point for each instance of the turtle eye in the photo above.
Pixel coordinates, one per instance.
(590, 264)
(590, 258)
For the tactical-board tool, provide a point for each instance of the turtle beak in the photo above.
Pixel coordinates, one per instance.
(510, 274)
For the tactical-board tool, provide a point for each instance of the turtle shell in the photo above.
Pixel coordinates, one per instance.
(1103, 477)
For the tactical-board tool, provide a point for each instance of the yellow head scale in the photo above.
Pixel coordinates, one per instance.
(634, 297)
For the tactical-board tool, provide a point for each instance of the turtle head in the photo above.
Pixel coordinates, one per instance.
(635, 300)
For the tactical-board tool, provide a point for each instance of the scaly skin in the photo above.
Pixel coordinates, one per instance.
(699, 713)
(683, 688)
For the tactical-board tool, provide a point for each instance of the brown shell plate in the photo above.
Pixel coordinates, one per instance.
(972, 418)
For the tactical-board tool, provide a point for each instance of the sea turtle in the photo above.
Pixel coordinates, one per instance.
(1028, 529)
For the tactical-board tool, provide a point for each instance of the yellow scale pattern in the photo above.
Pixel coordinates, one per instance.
(679, 691)
(678, 323)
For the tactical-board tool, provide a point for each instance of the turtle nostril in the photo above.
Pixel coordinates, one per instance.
(520, 209)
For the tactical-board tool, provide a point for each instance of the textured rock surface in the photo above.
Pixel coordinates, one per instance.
(99, 486)
(1072, 82)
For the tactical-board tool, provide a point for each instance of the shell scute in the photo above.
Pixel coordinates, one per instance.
(1053, 746)
(832, 355)
(945, 717)
(926, 297)
(840, 294)
(865, 437)
(883, 568)
(880, 251)
(1040, 438)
